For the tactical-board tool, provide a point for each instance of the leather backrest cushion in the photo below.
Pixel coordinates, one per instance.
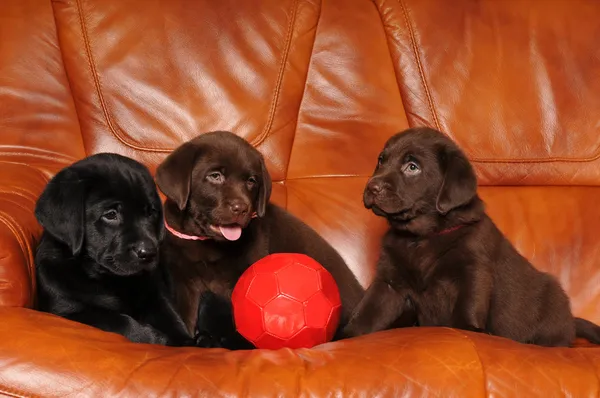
(515, 83)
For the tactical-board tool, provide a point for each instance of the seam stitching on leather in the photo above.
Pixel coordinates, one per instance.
(555, 159)
(419, 65)
(276, 92)
(389, 47)
(124, 141)
(472, 344)
(98, 86)
(304, 91)
(66, 75)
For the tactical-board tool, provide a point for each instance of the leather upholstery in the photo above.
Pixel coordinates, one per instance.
(317, 86)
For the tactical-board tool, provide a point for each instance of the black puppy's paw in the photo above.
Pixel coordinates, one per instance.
(215, 315)
(206, 340)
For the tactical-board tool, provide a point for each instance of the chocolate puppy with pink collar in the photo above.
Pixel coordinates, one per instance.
(220, 222)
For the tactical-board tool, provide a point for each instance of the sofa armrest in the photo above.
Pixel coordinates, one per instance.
(44, 355)
(20, 186)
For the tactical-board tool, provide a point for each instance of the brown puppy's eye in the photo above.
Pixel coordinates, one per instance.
(215, 177)
(252, 182)
(110, 215)
(411, 168)
(379, 160)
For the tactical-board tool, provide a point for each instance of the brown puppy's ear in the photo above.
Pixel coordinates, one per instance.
(459, 185)
(60, 209)
(264, 193)
(174, 174)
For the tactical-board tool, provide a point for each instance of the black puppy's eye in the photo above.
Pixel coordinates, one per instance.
(215, 177)
(110, 215)
(411, 168)
(380, 160)
(252, 182)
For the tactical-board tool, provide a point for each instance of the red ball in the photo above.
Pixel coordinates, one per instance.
(286, 300)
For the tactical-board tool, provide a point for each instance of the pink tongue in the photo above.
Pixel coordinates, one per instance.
(231, 233)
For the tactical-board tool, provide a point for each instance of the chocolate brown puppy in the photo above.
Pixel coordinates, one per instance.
(445, 260)
(220, 222)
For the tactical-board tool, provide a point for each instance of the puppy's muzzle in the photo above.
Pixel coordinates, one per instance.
(145, 251)
(375, 189)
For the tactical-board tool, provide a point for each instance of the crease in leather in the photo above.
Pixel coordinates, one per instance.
(310, 59)
(26, 243)
(125, 141)
(592, 365)
(53, 157)
(11, 392)
(431, 105)
(21, 194)
(19, 234)
(30, 167)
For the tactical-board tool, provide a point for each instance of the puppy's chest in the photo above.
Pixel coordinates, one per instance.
(124, 297)
(220, 275)
(428, 279)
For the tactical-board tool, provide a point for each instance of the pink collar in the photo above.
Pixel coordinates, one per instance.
(183, 236)
(451, 229)
(190, 237)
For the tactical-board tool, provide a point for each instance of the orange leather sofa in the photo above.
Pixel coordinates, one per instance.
(317, 86)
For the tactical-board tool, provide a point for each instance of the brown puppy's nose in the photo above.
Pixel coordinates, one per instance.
(238, 207)
(375, 187)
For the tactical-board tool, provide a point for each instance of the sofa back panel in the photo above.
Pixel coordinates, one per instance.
(38, 122)
(556, 228)
(351, 103)
(148, 76)
(516, 86)
(333, 207)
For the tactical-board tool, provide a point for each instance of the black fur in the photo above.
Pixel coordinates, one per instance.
(97, 261)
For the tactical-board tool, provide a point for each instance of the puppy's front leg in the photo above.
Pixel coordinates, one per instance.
(165, 318)
(378, 309)
(122, 324)
(472, 305)
(215, 324)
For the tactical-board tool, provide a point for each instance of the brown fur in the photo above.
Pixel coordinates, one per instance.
(443, 259)
(196, 200)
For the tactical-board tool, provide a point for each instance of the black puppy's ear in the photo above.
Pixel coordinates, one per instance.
(174, 174)
(60, 209)
(264, 193)
(460, 183)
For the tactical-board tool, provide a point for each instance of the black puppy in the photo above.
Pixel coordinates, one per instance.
(444, 259)
(97, 259)
(221, 222)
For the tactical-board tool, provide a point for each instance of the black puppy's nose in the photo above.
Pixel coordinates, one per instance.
(238, 207)
(144, 252)
(375, 187)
